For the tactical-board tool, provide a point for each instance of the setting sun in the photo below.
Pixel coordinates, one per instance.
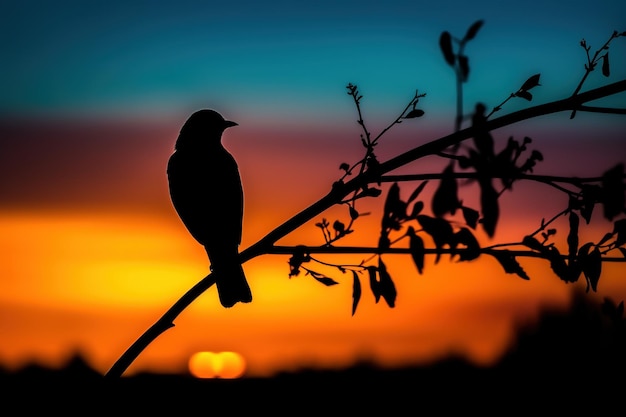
(225, 365)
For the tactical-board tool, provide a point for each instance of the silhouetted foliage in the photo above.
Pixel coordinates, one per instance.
(494, 172)
(492, 169)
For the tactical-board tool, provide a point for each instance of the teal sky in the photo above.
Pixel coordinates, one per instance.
(286, 60)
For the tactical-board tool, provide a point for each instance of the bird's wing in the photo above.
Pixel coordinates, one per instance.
(208, 196)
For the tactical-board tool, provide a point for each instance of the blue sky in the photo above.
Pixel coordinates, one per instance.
(284, 59)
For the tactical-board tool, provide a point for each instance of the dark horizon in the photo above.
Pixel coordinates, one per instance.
(566, 361)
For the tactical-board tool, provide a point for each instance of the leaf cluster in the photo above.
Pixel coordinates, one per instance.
(458, 60)
(493, 172)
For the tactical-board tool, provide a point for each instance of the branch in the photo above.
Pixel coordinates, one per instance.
(604, 110)
(335, 196)
(474, 175)
(344, 250)
(430, 148)
(164, 323)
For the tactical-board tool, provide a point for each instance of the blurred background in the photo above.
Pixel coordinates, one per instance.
(93, 97)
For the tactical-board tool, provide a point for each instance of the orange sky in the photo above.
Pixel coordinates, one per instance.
(93, 254)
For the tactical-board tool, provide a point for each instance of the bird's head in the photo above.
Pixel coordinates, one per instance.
(203, 126)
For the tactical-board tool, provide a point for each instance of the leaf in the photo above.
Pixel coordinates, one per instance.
(619, 228)
(471, 216)
(613, 195)
(374, 283)
(394, 209)
(533, 243)
(489, 207)
(417, 191)
(386, 285)
(590, 194)
(356, 291)
(606, 71)
(439, 229)
(591, 264)
(473, 30)
(344, 167)
(393, 200)
(417, 209)
(531, 82)
(467, 239)
(605, 238)
(445, 43)
(323, 278)
(353, 213)
(339, 227)
(572, 237)
(416, 247)
(558, 265)
(414, 114)
(509, 263)
(296, 260)
(524, 94)
(383, 241)
(584, 249)
(445, 200)
(373, 192)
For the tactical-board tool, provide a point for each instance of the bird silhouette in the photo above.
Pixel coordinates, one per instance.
(206, 191)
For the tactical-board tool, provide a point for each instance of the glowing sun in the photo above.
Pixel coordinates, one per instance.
(227, 365)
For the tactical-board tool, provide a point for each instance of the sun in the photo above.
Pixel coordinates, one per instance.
(225, 365)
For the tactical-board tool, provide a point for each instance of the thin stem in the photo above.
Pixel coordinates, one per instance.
(499, 106)
(458, 120)
(591, 64)
(411, 103)
(459, 101)
(546, 224)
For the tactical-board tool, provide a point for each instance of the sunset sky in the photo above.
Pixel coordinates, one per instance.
(93, 97)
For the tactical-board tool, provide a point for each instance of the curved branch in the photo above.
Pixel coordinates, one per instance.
(473, 175)
(266, 244)
(604, 110)
(164, 323)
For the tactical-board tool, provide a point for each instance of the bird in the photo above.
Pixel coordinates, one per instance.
(206, 191)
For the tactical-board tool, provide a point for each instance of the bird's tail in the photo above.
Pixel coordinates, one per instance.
(230, 279)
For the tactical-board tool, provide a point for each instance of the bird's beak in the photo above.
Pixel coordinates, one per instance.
(228, 123)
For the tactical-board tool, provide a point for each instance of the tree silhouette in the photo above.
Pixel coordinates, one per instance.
(446, 225)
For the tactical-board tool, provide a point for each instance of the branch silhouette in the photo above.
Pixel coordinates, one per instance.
(266, 245)
(587, 258)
